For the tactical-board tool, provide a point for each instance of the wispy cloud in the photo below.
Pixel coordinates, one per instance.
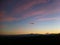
(48, 19)
(9, 19)
(2, 26)
(24, 9)
(19, 9)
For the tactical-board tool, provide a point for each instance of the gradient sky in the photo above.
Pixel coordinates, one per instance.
(29, 16)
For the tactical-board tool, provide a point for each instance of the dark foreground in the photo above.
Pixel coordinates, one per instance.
(30, 39)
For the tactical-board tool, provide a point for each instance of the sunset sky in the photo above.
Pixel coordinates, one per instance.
(29, 16)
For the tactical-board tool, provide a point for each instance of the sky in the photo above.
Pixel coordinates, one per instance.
(29, 16)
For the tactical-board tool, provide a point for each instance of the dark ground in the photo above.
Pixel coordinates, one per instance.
(30, 39)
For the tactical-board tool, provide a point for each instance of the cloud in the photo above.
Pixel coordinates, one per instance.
(41, 13)
(2, 26)
(37, 19)
(48, 19)
(28, 5)
(9, 19)
(26, 13)
(2, 13)
(49, 9)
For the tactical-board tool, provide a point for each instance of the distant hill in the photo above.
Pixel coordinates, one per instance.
(30, 38)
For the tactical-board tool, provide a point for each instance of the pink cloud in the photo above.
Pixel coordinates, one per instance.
(2, 13)
(48, 19)
(2, 26)
(10, 19)
(19, 9)
(41, 12)
(32, 13)
(44, 19)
